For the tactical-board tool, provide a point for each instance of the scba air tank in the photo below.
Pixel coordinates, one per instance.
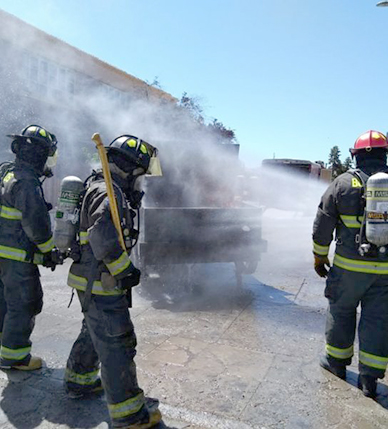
(67, 216)
(376, 221)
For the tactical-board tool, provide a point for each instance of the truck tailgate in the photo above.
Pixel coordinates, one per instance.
(198, 235)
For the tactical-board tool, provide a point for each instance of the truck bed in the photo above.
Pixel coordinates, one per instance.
(173, 235)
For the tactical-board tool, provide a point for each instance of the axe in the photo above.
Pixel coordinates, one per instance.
(109, 187)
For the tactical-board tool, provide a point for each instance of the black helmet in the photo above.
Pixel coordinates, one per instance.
(130, 153)
(35, 145)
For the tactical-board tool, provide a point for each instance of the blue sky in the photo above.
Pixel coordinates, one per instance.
(292, 77)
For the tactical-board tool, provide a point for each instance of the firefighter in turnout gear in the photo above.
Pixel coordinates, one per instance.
(25, 242)
(359, 273)
(103, 277)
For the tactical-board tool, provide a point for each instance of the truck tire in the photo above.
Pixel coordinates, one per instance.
(246, 267)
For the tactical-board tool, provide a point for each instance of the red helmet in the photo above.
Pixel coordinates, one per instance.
(368, 141)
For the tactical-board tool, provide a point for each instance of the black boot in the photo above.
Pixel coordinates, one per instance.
(368, 385)
(337, 369)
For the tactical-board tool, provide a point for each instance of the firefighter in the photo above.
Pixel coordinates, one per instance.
(25, 241)
(104, 270)
(354, 277)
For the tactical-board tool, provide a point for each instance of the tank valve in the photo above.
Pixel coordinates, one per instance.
(364, 249)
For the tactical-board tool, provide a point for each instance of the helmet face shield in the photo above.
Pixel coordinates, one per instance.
(154, 169)
(53, 151)
(52, 160)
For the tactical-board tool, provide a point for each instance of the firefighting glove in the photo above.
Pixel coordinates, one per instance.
(320, 263)
(131, 280)
(52, 259)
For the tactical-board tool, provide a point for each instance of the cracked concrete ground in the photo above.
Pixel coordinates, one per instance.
(223, 357)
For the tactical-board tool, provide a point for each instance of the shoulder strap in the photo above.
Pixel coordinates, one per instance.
(360, 175)
(4, 169)
(362, 178)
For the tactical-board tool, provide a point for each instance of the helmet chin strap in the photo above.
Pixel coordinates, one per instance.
(134, 196)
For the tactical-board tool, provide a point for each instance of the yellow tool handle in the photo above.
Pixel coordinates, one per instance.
(109, 188)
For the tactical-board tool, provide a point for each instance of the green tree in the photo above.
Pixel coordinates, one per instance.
(224, 134)
(193, 107)
(335, 162)
(347, 164)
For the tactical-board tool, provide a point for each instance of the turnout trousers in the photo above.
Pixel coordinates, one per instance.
(345, 290)
(108, 339)
(21, 299)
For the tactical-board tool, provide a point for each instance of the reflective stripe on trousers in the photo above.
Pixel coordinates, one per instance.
(126, 408)
(14, 354)
(378, 362)
(339, 353)
(89, 378)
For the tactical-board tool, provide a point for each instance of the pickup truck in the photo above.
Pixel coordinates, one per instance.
(195, 218)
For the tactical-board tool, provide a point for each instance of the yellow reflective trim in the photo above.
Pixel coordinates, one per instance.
(132, 143)
(339, 353)
(19, 255)
(351, 221)
(84, 237)
(143, 148)
(13, 253)
(373, 361)
(126, 408)
(14, 354)
(89, 378)
(8, 177)
(371, 267)
(80, 283)
(47, 246)
(320, 250)
(356, 183)
(42, 132)
(10, 213)
(119, 265)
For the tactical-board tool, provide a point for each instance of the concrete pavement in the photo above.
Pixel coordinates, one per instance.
(223, 357)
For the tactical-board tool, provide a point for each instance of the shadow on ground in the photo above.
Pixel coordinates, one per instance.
(210, 287)
(29, 399)
(382, 389)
